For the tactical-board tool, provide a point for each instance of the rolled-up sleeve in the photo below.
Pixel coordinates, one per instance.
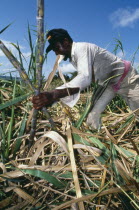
(83, 63)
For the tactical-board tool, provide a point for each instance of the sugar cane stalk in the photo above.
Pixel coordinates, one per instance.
(39, 59)
(39, 64)
(40, 44)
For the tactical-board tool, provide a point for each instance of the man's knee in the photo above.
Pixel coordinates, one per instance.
(94, 120)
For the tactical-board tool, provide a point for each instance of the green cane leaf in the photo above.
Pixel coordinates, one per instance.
(14, 101)
(44, 175)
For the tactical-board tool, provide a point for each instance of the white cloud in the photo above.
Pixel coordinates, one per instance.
(136, 65)
(1, 53)
(27, 54)
(120, 54)
(10, 47)
(6, 65)
(125, 17)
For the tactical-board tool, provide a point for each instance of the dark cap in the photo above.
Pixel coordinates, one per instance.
(56, 35)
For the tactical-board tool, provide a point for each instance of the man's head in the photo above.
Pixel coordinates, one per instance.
(60, 42)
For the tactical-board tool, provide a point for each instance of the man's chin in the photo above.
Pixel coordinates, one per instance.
(65, 58)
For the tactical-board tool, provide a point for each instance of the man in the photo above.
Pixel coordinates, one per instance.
(91, 63)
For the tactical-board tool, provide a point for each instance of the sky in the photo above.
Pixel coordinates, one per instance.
(96, 21)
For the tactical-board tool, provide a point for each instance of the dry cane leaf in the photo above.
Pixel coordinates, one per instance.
(3, 167)
(126, 130)
(51, 75)
(26, 196)
(74, 168)
(94, 150)
(84, 198)
(10, 175)
(5, 202)
(55, 137)
(110, 136)
(5, 94)
(38, 152)
(87, 167)
(126, 176)
(102, 185)
(58, 139)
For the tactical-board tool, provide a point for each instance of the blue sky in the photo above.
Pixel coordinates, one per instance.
(95, 21)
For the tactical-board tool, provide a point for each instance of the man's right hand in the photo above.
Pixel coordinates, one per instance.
(42, 100)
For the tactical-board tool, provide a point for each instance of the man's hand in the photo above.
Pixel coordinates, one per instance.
(47, 98)
(42, 100)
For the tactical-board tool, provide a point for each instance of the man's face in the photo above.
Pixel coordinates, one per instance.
(62, 48)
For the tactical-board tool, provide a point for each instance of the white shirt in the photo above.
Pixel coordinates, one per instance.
(90, 59)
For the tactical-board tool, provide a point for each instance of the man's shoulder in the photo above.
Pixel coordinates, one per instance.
(78, 46)
(82, 44)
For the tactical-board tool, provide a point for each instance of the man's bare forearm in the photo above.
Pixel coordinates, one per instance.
(47, 98)
(61, 93)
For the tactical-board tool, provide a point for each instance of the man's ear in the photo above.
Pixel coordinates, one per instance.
(66, 42)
